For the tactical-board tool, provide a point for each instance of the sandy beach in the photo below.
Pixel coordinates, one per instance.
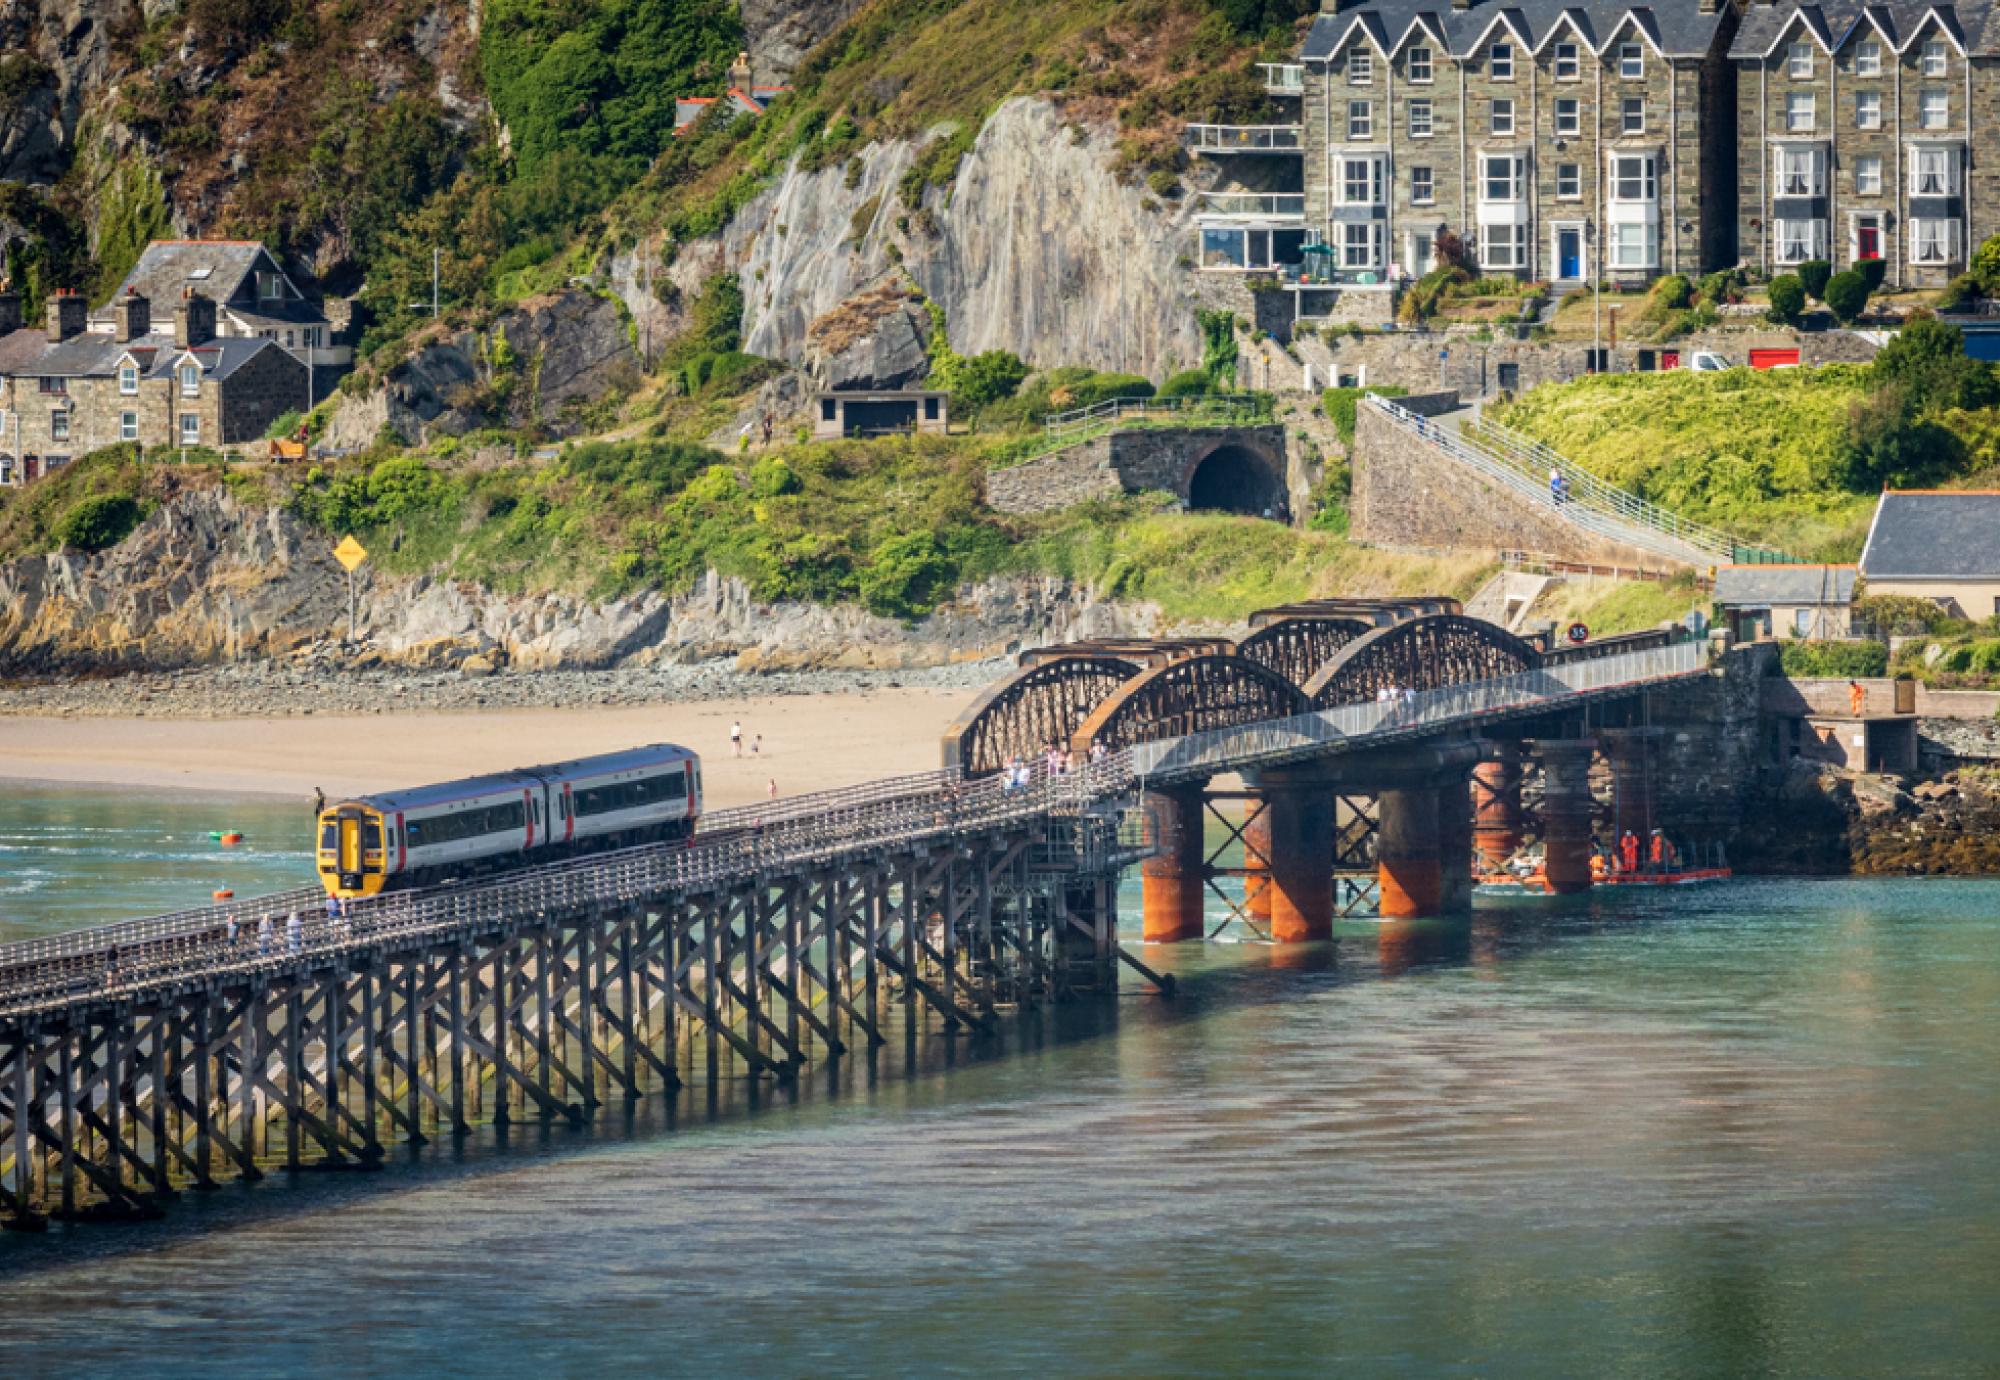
(810, 743)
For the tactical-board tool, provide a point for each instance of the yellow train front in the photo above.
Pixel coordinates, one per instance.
(483, 824)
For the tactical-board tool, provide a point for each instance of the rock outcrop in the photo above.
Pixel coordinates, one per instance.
(520, 371)
(782, 32)
(875, 340)
(205, 580)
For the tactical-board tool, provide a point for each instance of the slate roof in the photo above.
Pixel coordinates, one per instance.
(18, 347)
(1974, 27)
(1934, 534)
(1763, 586)
(1677, 28)
(216, 269)
(92, 355)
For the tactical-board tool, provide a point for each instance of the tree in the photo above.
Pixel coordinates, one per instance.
(1847, 295)
(1872, 272)
(1814, 275)
(1927, 360)
(1788, 299)
(1890, 444)
(986, 378)
(1187, 383)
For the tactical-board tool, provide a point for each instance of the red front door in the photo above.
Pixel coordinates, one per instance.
(1868, 242)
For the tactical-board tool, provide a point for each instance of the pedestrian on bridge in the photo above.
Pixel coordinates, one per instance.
(295, 934)
(229, 934)
(264, 937)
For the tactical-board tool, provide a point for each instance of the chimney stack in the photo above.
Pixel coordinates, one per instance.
(1709, 6)
(10, 308)
(194, 323)
(134, 314)
(69, 314)
(740, 73)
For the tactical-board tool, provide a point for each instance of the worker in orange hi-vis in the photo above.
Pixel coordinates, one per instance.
(1857, 698)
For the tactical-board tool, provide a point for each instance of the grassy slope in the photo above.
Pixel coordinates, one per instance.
(1744, 451)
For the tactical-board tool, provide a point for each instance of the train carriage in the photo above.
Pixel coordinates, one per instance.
(430, 834)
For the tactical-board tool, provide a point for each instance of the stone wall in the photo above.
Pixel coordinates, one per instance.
(265, 388)
(1062, 480)
(1409, 493)
(1709, 753)
(1136, 461)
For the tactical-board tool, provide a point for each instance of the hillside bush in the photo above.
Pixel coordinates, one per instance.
(1814, 274)
(905, 575)
(1850, 660)
(1788, 299)
(1872, 272)
(1342, 406)
(1847, 295)
(99, 521)
(1673, 291)
(1188, 383)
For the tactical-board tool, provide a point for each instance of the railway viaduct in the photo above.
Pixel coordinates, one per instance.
(143, 1058)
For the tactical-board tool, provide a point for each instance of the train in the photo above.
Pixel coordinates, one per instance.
(426, 835)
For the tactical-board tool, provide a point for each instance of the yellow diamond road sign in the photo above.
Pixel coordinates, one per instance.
(350, 552)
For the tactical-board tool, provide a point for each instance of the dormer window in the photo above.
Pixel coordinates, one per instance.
(1567, 66)
(1934, 58)
(128, 378)
(1868, 59)
(271, 287)
(190, 380)
(1500, 62)
(1798, 62)
(1631, 61)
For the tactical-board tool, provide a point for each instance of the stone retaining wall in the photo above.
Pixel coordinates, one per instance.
(1140, 460)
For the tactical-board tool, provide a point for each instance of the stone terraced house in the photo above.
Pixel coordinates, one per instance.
(1858, 128)
(67, 390)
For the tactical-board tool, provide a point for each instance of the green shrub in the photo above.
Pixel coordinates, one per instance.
(1847, 295)
(1872, 272)
(1958, 294)
(1788, 299)
(772, 478)
(1674, 291)
(1814, 274)
(905, 575)
(732, 371)
(1188, 383)
(98, 521)
(1342, 405)
(1852, 660)
(983, 379)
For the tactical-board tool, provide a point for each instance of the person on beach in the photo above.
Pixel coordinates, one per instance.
(319, 802)
(736, 739)
(757, 746)
(772, 789)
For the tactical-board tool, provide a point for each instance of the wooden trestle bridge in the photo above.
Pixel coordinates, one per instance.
(143, 1057)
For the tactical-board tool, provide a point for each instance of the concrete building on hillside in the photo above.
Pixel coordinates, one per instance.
(1937, 544)
(66, 390)
(1855, 126)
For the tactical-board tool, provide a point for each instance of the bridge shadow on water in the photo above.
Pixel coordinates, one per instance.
(1210, 980)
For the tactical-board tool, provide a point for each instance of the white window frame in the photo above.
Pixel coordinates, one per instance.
(1569, 122)
(1363, 251)
(1420, 118)
(1644, 180)
(1796, 241)
(128, 380)
(1632, 61)
(1360, 121)
(1372, 180)
(1423, 185)
(1632, 115)
(1518, 247)
(1933, 171)
(1868, 110)
(1801, 112)
(128, 426)
(1935, 60)
(1799, 61)
(1621, 255)
(1500, 109)
(1868, 174)
(1569, 66)
(190, 380)
(1516, 178)
(59, 424)
(1934, 108)
(1361, 66)
(190, 428)
(1785, 157)
(1933, 241)
(1500, 61)
(1419, 58)
(1868, 59)
(1571, 173)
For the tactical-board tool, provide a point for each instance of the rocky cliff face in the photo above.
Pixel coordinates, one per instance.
(206, 580)
(1038, 248)
(557, 349)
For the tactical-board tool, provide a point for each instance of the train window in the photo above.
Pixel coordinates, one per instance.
(329, 837)
(371, 836)
(538, 811)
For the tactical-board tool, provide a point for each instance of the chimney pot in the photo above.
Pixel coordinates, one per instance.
(134, 315)
(68, 315)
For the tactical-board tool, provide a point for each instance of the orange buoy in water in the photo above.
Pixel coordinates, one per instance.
(231, 839)
(224, 895)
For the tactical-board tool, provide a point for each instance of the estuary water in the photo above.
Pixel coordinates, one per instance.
(1741, 1130)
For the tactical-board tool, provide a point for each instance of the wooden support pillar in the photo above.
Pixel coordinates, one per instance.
(1566, 810)
(1171, 885)
(1496, 789)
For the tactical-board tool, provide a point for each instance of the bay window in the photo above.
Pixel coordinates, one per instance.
(1801, 171)
(1501, 177)
(1361, 244)
(1633, 178)
(1933, 241)
(1799, 240)
(1635, 244)
(1503, 246)
(1361, 182)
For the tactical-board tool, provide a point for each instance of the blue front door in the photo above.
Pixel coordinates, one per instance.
(1569, 254)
